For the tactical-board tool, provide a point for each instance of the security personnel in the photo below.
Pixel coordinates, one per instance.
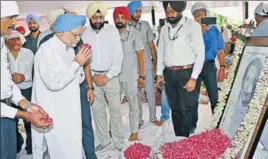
(180, 60)
(135, 9)
(133, 57)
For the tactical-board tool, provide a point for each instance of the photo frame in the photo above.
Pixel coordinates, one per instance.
(259, 132)
(251, 67)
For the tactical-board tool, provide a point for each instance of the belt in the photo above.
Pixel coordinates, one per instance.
(176, 68)
(210, 61)
(7, 101)
(99, 71)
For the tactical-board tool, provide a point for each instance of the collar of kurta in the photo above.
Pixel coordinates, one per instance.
(59, 44)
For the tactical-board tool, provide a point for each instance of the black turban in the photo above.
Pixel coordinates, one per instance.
(178, 6)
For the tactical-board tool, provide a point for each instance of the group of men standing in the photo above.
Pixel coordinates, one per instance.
(75, 67)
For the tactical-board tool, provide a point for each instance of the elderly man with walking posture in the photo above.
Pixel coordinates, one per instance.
(10, 93)
(58, 73)
(107, 58)
(180, 59)
(133, 59)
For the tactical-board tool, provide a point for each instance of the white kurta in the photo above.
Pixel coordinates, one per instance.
(56, 89)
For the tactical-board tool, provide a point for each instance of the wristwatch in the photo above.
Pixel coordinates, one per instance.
(142, 77)
(223, 66)
(90, 88)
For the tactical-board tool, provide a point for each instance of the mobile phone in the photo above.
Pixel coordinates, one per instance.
(161, 22)
(209, 20)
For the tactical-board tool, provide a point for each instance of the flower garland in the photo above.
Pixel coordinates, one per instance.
(209, 144)
(227, 86)
(251, 118)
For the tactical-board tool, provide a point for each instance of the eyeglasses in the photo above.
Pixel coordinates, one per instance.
(76, 35)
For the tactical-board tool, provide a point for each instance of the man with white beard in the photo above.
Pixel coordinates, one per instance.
(58, 73)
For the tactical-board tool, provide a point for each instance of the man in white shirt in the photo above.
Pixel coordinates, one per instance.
(21, 62)
(58, 73)
(10, 93)
(181, 55)
(107, 58)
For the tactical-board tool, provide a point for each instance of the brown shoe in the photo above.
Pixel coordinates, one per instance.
(133, 137)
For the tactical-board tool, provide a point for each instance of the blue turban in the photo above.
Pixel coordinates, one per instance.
(132, 6)
(67, 22)
(34, 18)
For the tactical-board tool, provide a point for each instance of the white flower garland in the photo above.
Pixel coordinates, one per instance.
(251, 118)
(218, 111)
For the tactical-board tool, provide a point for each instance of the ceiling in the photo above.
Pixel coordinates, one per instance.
(42, 7)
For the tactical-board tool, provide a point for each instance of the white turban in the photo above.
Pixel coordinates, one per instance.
(53, 15)
(9, 8)
(262, 9)
(16, 34)
(200, 5)
(94, 7)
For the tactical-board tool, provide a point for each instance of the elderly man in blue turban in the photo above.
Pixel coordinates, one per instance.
(58, 73)
(135, 9)
(33, 21)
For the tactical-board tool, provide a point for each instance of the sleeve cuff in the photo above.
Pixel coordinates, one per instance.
(17, 96)
(27, 78)
(7, 111)
(75, 66)
(194, 76)
(109, 75)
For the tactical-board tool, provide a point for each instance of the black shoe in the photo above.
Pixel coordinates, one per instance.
(28, 149)
(20, 141)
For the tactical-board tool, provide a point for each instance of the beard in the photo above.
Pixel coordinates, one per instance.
(96, 26)
(34, 29)
(120, 25)
(137, 18)
(174, 20)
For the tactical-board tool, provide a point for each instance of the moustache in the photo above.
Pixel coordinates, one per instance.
(120, 25)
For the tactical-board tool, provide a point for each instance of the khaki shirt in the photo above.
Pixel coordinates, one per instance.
(131, 43)
(147, 37)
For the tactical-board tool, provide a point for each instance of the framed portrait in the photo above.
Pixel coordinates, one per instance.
(249, 70)
(257, 145)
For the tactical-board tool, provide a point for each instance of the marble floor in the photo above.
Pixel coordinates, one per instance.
(152, 135)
